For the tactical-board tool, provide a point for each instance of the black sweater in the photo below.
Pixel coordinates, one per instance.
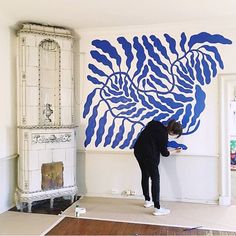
(153, 141)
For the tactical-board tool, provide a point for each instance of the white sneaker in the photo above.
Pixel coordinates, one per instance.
(148, 204)
(161, 211)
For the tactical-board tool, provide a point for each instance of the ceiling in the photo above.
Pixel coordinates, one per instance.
(83, 14)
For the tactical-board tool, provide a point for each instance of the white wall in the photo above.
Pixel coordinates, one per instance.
(8, 147)
(191, 176)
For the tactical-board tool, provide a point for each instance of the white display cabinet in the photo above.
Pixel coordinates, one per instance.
(45, 114)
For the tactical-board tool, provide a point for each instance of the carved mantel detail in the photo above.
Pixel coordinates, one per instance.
(51, 138)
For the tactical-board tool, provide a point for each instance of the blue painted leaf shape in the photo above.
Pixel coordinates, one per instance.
(177, 114)
(114, 86)
(187, 115)
(174, 144)
(200, 97)
(190, 69)
(183, 67)
(91, 125)
(119, 136)
(109, 134)
(129, 112)
(192, 59)
(213, 64)
(183, 90)
(151, 84)
(133, 94)
(138, 113)
(158, 105)
(183, 83)
(120, 79)
(125, 106)
(214, 50)
(181, 98)
(101, 129)
(115, 79)
(94, 80)
(130, 135)
(152, 54)
(127, 47)
(125, 88)
(158, 82)
(88, 103)
(182, 42)
(194, 128)
(122, 99)
(199, 71)
(101, 58)
(106, 93)
(157, 43)
(114, 92)
(144, 83)
(143, 74)
(170, 102)
(106, 47)
(95, 70)
(157, 70)
(206, 71)
(140, 55)
(172, 44)
(144, 102)
(186, 78)
(149, 114)
(204, 37)
(161, 116)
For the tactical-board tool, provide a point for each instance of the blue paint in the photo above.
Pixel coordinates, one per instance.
(174, 144)
(127, 47)
(148, 80)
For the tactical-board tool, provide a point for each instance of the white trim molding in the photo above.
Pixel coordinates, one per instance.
(8, 157)
(131, 152)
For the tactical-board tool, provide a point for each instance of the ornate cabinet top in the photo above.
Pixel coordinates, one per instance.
(45, 76)
(45, 30)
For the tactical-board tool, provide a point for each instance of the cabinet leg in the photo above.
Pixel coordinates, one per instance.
(51, 202)
(29, 207)
(21, 206)
(72, 198)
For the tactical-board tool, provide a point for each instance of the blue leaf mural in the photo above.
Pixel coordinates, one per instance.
(148, 78)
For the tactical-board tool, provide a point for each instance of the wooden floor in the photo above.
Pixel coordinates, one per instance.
(74, 226)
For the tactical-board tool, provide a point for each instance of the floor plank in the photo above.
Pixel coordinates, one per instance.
(74, 226)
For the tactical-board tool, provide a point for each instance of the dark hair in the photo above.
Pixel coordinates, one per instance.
(175, 127)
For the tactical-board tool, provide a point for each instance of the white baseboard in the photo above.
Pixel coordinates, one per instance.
(140, 197)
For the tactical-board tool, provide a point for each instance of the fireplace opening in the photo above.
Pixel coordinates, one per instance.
(52, 175)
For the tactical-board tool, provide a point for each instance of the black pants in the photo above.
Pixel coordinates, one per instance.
(149, 169)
